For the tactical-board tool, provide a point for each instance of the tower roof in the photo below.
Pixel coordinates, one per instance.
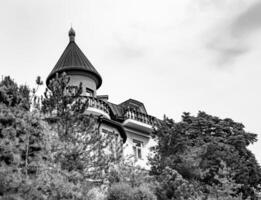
(73, 60)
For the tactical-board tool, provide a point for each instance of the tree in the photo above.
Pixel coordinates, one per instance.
(26, 167)
(197, 146)
(172, 186)
(13, 95)
(43, 157)
(83, 149)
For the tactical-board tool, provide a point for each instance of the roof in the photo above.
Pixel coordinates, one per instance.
(73, 60)
(117, 110)
(132, 103)
(116, 125)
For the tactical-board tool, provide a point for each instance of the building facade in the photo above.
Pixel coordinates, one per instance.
(129, 119)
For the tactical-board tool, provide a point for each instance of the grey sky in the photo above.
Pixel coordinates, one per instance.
(231, 40)
(174, 56)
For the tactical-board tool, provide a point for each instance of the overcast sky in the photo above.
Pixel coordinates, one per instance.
(173, 55)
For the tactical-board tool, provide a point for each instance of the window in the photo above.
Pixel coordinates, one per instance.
(89, 92)
(72, 89)
(137, 149)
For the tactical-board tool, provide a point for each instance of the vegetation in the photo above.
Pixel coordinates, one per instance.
(50, 149)
(209, 152)
(27, 169)
(81, 148)
(53, 154)
(130, 182)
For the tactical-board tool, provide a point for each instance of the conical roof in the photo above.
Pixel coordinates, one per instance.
(74, 61)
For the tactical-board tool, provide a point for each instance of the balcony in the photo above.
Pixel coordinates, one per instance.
(138, 120)
(97, 107)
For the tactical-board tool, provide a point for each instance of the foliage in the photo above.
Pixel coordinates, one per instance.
(63, 156)
(96, 193)
(13, 95)
(198, 146)
(81, 148)
(143, 192)
(120, 191)
(130, 182)
(123, 191)
(172, 186)
(26, 170)
(126, 171)
(54, 160)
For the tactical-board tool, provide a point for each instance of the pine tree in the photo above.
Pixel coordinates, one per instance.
(83, 149)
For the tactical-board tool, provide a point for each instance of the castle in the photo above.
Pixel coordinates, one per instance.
(129, 119)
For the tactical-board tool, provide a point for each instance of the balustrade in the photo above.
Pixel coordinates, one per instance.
(138, 116)
(98, 104)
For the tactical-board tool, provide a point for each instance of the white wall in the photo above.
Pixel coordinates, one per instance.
(147, 141)
(127, 148)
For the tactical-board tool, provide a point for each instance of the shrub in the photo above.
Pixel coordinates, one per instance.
(120, 191)
(123, 191)
(96, 194)
(143, 192)
(171, 185)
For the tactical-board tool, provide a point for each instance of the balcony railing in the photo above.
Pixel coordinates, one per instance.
(138, 116)
(94, 106)
(98, 104)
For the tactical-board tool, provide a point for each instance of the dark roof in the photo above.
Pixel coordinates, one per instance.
(117, 110)
(74, 60)
(132, 103)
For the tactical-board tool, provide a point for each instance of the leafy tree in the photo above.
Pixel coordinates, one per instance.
(198, 146)
(226, 189)
(172, 186)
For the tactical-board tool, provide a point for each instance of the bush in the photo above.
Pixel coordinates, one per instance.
(123, 191)
(96, 194)
(120, 191)
(143, 193)
(171, 185)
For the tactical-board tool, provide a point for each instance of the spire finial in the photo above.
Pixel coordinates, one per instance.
(71, 34)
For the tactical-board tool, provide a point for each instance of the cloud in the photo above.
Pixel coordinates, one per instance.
(227, 47)
(128, 47)
(248, 21)
(227, 54)
(232, 39)
(210, 3)
(130, 52)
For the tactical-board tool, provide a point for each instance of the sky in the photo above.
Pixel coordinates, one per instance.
(175, 56)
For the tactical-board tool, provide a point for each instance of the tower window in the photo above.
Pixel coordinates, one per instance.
(137, 149)
(89, 92)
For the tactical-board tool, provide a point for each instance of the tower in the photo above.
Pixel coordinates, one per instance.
(77, 67)
(80, 70)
